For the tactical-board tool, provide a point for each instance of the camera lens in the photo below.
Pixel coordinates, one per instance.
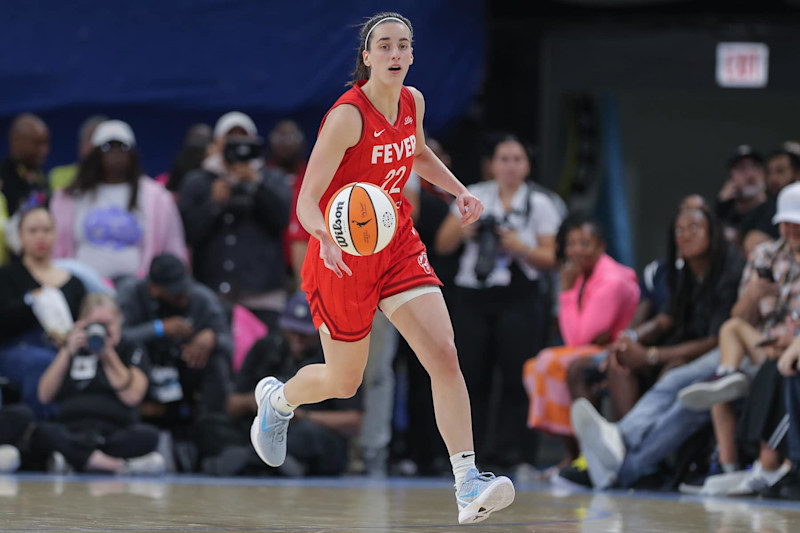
(96, 334)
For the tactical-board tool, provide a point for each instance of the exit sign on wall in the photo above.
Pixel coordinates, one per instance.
(742, 65)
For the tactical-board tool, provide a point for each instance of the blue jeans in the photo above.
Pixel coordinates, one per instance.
(22, 362)
(657, 425)
(792, 388)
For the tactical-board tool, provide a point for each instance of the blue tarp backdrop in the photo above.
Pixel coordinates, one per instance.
(163, 65)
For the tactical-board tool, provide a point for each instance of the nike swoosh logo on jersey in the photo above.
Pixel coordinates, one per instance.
(378, 133)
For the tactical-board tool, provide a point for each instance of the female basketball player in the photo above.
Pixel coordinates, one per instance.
(374, 133)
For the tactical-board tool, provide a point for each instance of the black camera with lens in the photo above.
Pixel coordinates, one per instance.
(242, 149)
(488, 245)
(96, 335)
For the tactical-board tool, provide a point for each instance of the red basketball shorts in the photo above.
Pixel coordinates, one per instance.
(347, 305)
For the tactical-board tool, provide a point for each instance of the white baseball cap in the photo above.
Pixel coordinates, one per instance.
(113, 130)
(234, 119)
(788, 205)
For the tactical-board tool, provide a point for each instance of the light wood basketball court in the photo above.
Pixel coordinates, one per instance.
(31, 502)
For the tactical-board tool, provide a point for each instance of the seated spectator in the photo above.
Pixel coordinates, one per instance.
(16, 422)
(598, 299)
(235, 211)
(99, 381)
(657, 425)
(703, 274)
(112, 217)
(21, 172)
(320, 432)
(38, 303)
(742, 202)
(185, 331)
(63, 176)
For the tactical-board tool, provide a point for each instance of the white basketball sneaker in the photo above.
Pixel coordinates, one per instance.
(268, 432)
(9, 459)
(481, 495)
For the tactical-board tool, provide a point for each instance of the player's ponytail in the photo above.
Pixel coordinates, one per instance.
(361, 71)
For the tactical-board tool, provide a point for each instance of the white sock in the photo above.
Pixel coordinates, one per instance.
(278, 401)
(462, 462)
(723, 370)
(772, 476)
(729, 467)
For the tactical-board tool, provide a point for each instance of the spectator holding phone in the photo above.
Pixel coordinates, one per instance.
(235, 212)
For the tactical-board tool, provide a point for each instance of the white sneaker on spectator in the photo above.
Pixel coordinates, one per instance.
(9, 459)
(600, 442)
(151, 464)
(757, 479)
(718, 389)
(716, 485)
(57, 464)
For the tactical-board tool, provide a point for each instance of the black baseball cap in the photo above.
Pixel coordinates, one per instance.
(745, 151)
(297, 315)
(168, 272)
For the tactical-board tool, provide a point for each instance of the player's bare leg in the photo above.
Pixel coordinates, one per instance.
(338, 377)
(425, 324)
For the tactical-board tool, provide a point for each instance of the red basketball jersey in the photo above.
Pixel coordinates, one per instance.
(383, 155)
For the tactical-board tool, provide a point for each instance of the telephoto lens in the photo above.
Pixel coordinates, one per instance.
(96, 334)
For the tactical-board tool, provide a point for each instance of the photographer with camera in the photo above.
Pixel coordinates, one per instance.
(499, 312)
(99, 381)
(235, 211)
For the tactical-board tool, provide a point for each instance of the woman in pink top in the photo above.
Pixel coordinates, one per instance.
(113, 218)
(598, 299)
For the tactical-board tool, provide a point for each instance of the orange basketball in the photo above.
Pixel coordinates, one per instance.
(361, 218)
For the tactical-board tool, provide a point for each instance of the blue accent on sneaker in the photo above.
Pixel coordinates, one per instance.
(269, 435)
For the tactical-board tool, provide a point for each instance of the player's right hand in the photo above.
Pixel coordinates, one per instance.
(331, 255)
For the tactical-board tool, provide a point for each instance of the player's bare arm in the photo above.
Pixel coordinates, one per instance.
(341, 130)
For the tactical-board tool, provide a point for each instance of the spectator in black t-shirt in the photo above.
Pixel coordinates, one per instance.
(320, 432)
(99, 381)
(703, 274)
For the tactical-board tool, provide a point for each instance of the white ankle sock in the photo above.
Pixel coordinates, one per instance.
(462, 462)
(278, 401)
(729, 467)
(724, 370)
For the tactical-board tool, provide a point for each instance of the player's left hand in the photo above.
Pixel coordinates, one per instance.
(470, 207)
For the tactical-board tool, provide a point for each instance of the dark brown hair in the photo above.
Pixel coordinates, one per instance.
(90, 174)
(361, 71)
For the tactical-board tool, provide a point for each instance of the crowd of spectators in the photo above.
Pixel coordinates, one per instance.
(138, 313)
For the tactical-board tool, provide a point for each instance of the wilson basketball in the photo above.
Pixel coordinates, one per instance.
(362, 218)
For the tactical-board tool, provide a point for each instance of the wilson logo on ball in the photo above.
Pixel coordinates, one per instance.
(352, 217)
